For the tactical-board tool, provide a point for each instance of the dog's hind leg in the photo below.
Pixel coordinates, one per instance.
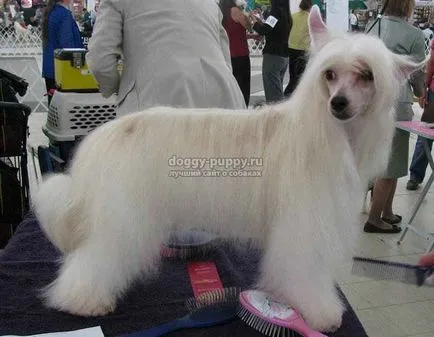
(292, 272)
(57, 212)
(101, 269)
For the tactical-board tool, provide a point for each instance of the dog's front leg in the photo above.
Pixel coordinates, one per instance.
(294, 272)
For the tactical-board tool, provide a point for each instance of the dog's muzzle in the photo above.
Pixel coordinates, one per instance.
(339, 107)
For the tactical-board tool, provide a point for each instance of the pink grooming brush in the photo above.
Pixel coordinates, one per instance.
(272, 318)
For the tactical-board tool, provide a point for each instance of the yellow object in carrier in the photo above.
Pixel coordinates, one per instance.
(71, 71)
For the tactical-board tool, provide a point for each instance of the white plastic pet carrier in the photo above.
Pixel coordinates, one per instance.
(73, 115)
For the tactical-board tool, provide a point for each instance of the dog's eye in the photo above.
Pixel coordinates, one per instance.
(367, 76)
(330, 75)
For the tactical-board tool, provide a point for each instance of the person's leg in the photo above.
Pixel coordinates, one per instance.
(419, 162)
(381, 217)
(297, 65)
(272, 77)
(245, 74)
(241, 72)
(291, 71)
(237, 71)
(286, 92)
(301, 66)
(382, 191)
(284, 62)
(387, 210)
(268, 77)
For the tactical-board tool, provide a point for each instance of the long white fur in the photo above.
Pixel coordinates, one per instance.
(110, 212)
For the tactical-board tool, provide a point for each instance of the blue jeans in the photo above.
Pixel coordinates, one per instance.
(419, 161)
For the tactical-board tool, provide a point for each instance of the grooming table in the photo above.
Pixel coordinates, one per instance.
(419, 129)
(30, 262)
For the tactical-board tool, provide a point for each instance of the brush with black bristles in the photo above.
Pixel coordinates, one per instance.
(394, 271)
(217, 297)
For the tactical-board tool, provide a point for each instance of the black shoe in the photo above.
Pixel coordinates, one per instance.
(412, 185)
(396, 219)
(370, 228)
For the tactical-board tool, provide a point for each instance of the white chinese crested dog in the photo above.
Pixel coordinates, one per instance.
(112, 209)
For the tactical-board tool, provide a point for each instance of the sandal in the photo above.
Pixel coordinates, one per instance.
(395, 220)
(370, 228)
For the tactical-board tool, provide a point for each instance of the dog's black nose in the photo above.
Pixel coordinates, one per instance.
(339, 103)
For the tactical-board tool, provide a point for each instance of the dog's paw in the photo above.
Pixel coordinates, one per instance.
(324, 317)
(90, 311)
(78, 302)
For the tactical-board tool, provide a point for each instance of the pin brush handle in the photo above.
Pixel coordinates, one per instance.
(301, 327)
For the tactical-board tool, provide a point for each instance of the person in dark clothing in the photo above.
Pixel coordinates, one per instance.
(276, 29)
(236, 24)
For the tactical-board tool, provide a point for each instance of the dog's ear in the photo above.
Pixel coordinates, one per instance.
(317, 29)
(406, 67)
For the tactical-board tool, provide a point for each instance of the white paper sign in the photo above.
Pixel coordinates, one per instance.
(271, 21)
(91, 332)
(337, 14)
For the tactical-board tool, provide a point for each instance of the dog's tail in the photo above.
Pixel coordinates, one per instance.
(58, 212)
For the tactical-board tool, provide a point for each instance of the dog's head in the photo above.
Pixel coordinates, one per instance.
(355, 73)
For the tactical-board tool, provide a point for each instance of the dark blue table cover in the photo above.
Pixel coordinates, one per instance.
(30, 262)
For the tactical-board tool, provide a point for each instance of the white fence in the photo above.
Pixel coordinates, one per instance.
(256, 44)
(21, 54)
(20, 42)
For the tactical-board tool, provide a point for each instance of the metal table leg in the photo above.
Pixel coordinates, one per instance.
(420, 200)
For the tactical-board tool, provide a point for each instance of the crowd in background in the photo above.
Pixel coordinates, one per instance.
(286, 43)
(286, 48)
(14, 15)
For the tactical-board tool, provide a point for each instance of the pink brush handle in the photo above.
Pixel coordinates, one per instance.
(298, 324)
